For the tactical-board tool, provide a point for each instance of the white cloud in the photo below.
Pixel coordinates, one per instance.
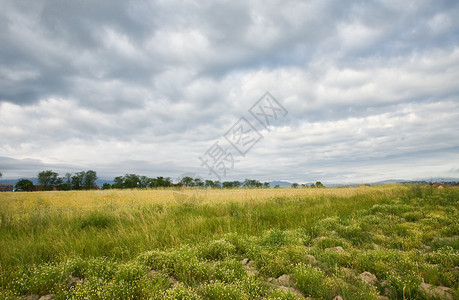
(370, 88)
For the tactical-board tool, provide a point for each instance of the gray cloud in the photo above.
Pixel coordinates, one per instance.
(149, 86)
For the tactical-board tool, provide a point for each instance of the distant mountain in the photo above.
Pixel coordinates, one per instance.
(279, 183)
(433, 180)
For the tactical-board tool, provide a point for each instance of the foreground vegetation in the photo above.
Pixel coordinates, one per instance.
(358, 243)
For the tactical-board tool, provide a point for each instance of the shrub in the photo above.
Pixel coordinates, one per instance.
(309, 279)
(217, 249)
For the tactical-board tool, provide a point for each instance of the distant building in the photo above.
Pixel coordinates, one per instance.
(37, 188)
(6, 188)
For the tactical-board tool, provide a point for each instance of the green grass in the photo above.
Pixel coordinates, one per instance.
(111, 240)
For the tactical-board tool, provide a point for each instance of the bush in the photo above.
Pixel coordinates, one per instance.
(309, 280)
(217, 249)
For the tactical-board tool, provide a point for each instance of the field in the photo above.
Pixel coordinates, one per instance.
(390, 241)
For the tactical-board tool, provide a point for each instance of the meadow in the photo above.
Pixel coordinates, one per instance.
(378, 242)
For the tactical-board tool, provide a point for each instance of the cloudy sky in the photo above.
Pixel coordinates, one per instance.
(370, 88)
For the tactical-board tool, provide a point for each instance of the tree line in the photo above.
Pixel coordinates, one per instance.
(86, 180)
(49, 180)
(132, 181)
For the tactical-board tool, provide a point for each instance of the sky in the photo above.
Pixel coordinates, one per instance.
(358, 91)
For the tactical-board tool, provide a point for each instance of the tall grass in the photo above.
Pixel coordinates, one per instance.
(42, 226)
(322, 238)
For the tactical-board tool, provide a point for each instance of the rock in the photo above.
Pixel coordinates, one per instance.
(338, 298)
(173, 281)
(369, 278)
(250, 267)
(349, 273)
(31, 297)
(285, 280)
(73, 281)
(245, 261)
(251, 264)
(336, 249)
(47, 297)
(388, 292)
(442, 292)
(312, 260)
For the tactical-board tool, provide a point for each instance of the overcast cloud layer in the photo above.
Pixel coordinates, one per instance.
(371, 87)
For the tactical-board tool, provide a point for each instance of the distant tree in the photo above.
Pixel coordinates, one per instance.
(165, 182)
(1, 175)
(217, 184)
(276, 186)
(319, 184)
(106, 186)
(24, 185)
(59, 184)
(78, 180)
(198, 182)
(89, 180)
(313, 185)
(64, 183)
(119, 182)
(295, 185)
(161, 182)
(131, 181)
(227, 184)
(47, 179)
(252, 183)
(266, 185)
(145, 182)
(187, 181)
(68, 177)
(209, 183)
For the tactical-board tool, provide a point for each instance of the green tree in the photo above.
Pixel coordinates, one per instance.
(24, 185)
(266, 185)
(208, 183)
(89, 180)
(106, 186)
(227, 184)
(77, 180)
(46, 179)
(161, 182)
(119, 182)
(65, 183)
(131, 181)
(198, 182)
(145, 182)
(295, 185)
(319, 184)
(187, 181)
(252, 183)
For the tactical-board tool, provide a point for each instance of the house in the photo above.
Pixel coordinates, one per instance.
(6, 188)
